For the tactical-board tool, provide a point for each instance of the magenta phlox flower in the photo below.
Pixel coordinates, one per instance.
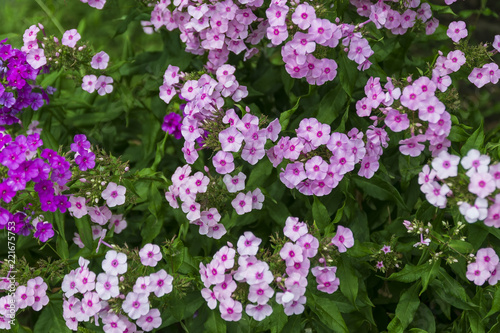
(44, 231)
(343, 239)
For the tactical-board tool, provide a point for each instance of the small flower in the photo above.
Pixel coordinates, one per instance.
(150, 255)
(70, 37)
(100, 60)
(457, 30)
(114, 194)
(343, 239)
(386, 249)
(115, 263)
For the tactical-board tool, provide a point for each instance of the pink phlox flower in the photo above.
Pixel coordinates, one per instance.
(230, 310)
(150, 255)
(242, 203)
(150, 320)
(294, 229)
(476, 212)
(107, 286)
(36, 58)
(115, 263)
(487, 258)
(236, 183)
(224, 289)
(103, 85)
(70, 37)
(160, 283)
(475, 162)
(291, 253)
(114, 194)
(248, 244)
(457, 30)
(136, 305)
(482, 184)
(477, 273)
(343, 239)
(100, 60)
(257, 198)
(446, 165)
(259, 311)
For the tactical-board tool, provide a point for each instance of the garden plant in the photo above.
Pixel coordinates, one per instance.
(249, 166)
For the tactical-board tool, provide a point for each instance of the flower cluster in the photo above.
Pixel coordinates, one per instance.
(394, 19)
(33, 294)
(219, 28)
(479, 180)
(320, 159)
(297, 255)
(103, 297)
(199, 210)
(102, 84)
(18, 72)
(486, 267)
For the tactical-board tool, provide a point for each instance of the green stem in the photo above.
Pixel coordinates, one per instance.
(49, 14)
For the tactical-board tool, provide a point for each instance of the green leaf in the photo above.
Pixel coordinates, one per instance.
(62, 247)
(409, 273)
(476, 326)
(348, 74)
(85, 231)
(476, 141)
(348, 280)
(48, 80)
(331, 105)
(407, 306)
(320, 214)
(495, 307)
(214, 323)
(259, 173)
(285, 116)
(461, 246)
(430, 274)
(380, 189)
(328, 313)
(51, 319)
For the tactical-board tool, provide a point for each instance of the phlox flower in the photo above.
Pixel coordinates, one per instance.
(436, 194)
(223, 162)
(103, 85)
(115, 263)
(248, 244)
(291, 253)
(457, 30)
(209, 297)
(160, 283)
(190, 152)
(70, 37)
(100, 60)
(136, 305)
(150, 254)
(36, 58)
(396, 121)
(230, 310)
(24, 297)
(242, 203)
(107, 286)
(118, 222)
(343, 239)
(258, 312)
(150, 320)
(479, 77)
(236, 183)
(487, 258)
(114, 194)
(477, 274)
(142, 285)
(482, 184)
(294, 229)
(295, 307)
(89, 83)
(475, 162)
(445, 165)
